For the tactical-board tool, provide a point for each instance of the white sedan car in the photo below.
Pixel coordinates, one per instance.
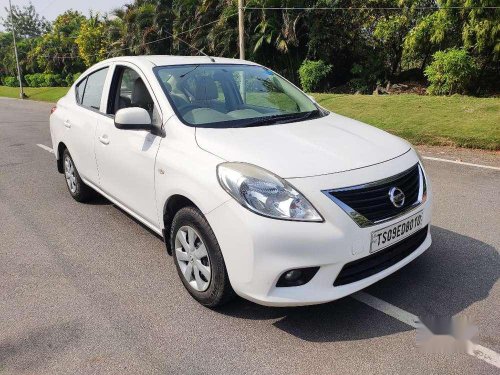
(256, 189)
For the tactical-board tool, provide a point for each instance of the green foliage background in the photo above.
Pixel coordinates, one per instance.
(365, 42)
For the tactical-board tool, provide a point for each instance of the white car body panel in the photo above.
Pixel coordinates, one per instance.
(261, 250)
(189, 170)
(126, 165)
(141, 171)
(76, 130)
(126, 160)
(309, 148)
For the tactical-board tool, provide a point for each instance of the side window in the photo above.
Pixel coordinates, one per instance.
(92, 92)
(80, 89)
(129, 90)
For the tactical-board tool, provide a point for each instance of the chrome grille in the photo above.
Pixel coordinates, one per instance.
(370, 204)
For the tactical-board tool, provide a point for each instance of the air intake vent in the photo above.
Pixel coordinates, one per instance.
(368, 266)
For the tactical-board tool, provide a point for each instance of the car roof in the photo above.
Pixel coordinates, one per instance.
(159, 60)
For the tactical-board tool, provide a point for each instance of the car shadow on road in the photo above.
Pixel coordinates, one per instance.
(126, 214)
(453, 274)
(99, 200)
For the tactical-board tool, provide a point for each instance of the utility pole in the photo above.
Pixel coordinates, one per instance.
(241, 29)
(21, 91)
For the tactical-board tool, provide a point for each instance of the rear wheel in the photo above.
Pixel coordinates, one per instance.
(77, 188)
(198, 258)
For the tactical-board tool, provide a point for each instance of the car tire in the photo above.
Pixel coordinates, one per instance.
(216, 290)
(76, 187)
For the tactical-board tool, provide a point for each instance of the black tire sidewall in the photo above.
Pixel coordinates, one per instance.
(219, 289)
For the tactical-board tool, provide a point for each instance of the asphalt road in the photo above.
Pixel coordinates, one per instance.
(85, 289)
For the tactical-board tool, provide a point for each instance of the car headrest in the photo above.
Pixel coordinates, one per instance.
(140, 95)
(206, 89)
(168, 87)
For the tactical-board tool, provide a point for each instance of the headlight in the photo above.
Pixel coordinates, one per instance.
(265, 193)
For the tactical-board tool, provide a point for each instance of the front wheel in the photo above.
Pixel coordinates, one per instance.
(198, 258)
(77, 188)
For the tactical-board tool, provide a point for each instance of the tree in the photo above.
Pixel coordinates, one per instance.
(191, 16)
(7, 62)
(366, 42)
(91, 40)
(28, 22)
(56, 51)
(145, 27)
(341, 38)
(472, 26)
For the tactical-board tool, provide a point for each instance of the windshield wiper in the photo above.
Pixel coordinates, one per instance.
(280, 119)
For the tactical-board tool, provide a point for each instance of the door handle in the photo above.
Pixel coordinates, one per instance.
(104, 140)
(67, 124)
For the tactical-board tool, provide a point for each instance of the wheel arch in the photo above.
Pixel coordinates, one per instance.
(173, 204)
(60, 149)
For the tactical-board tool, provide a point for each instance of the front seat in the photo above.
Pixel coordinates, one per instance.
(205, 92)
(140, 96)
(177, 99)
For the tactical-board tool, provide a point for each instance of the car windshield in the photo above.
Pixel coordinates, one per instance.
(229, 96)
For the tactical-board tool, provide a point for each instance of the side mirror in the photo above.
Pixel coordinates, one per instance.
(133, 118)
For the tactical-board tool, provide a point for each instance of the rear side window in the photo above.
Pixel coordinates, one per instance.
(89, 91)
(80, 89)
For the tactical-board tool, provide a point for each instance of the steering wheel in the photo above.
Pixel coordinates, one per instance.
(188, 108)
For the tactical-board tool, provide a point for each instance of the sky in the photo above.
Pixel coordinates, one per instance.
(50, 9)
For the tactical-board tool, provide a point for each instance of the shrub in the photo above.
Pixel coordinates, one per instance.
(52, 80)
(43, 80)
(10, 81)
(34, 80)
(451, 72)
(70, 78)
(312, 74)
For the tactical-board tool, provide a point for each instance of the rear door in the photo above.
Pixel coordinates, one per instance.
(126, 158)
(81, 122)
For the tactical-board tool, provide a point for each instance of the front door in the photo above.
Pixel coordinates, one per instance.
(126, 158)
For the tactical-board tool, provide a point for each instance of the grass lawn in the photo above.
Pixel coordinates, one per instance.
(46, 94)
(461, 121)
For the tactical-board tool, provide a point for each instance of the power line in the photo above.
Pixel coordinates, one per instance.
(193, 47)
(370, 8)
(144, 44)
(48, 5)
(273, 8)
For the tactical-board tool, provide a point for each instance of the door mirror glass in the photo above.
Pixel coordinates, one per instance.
(133, 118)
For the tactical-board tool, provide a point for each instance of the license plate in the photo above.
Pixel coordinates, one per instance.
(394, 233)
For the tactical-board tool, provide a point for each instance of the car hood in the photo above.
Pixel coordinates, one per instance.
(329, 144)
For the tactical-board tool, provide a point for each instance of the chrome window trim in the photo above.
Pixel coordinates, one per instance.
(362, 221)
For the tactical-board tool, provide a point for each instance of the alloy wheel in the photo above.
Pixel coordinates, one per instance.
(192, 258)
(70, 174)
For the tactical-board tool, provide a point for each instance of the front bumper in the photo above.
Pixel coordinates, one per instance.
(257, 250)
